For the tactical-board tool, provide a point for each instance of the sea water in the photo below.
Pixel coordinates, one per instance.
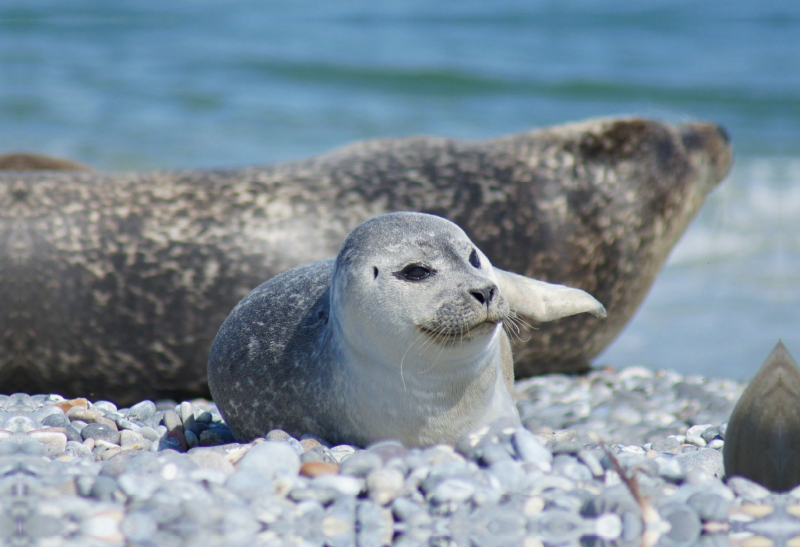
(146, 84)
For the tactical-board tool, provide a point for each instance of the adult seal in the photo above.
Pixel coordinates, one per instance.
(114, 285)
(400, 336)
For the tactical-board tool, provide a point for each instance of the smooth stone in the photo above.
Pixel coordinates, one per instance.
(318, 453)
(710, 434)
(342, 451)
(172, 421)
(746, 488)
(187, 416)
(78, 424)
(250, 484)
(124, 423)
(670, 444)
(451, 490)
(73, 434)
(564, 447)
(54, 441)
(205, 417)
(723, 428)
(110, 452)
(569, 466)
(87, 415)
(100, 432)
(295, 444)
(277, 435)
(671, 469)
(217, 435)
(178, 435)
(76, 448)
(685, 526)
(318, 469)
(697, 430)
(41, 413)
(696, 440)
(592, 462)
(20, 424)
(131, 439)
(708, 459)
(142, 411)
(21, 444)
(212, 460)
(528, 449)
(345, 485)
(383, 485)
(150, 434)
(56, 420)
(626, 414)
(271, 459)
(717, 444)
(360, 464)
(191, 439)
(710, 506)
(554, 526)
(105, 406)
(374, 524)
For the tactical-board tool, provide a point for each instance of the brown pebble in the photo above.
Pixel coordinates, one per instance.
(318, 469)
(178, 434)
(84, 414)
(308, 444)
(89, 443)
(66, 405)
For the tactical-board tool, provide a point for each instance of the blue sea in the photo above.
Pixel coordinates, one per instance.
(145, 84)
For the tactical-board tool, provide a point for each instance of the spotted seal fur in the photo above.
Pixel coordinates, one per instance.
(401, 336)
(113, 285)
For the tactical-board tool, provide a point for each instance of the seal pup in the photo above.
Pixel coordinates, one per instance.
(114, 285)
(400, 336)
(762, 442)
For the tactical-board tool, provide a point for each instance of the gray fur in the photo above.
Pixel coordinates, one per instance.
(355, 351)
(114, 285)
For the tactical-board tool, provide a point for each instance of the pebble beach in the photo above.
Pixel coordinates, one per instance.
(613, 457)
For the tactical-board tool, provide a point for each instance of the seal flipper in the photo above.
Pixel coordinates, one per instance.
(545, 301)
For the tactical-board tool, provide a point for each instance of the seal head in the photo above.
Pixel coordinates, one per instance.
(400, 337)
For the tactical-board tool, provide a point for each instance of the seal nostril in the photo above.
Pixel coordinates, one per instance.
(483, 295)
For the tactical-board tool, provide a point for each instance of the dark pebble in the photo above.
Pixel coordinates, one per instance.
(100, 432)
(73, 434)
(56, 420)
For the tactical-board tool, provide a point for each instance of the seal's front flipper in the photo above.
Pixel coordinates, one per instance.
(544, 301)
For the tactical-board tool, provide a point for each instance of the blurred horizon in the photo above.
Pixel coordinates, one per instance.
(140, 85)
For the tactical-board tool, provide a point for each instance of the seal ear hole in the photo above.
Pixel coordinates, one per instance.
(374, 272)
(474, 259)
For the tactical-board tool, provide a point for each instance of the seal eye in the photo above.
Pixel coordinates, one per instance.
(474, 259)
(415, 272)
